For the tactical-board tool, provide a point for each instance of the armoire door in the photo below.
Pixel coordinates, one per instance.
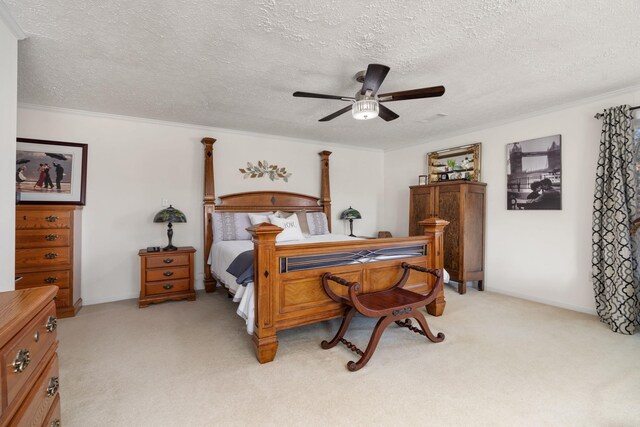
(448, 208)
(421, 206)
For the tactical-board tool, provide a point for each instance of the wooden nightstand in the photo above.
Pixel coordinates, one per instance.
(166, 275)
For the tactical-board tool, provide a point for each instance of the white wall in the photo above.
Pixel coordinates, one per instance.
(539, 255)
(8, 100)
(134, 164)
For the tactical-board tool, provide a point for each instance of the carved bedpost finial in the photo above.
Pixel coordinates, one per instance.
(325, 190)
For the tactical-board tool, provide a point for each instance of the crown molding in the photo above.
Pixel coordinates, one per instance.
(7, 18)
(544, 111)
(205, 129)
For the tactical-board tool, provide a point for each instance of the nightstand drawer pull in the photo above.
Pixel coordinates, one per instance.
(53, 386)
(168, 273)
(52, 324)
(51, 218)
(167, 287)
(51, 237)
(167, 260)
(55, 423)
(23, 358)
(51, 255)
(50, 279)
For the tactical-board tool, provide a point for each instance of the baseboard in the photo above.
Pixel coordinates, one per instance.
(587, 310)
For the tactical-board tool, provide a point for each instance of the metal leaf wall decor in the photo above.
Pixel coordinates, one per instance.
(263, 168)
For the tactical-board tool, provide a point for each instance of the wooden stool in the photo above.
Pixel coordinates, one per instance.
(391, 305)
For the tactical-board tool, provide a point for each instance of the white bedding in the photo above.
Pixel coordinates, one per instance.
(223, 253)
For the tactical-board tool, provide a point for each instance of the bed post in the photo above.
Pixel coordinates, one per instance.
(435, 227)
(325, 191)
(209, 208)
(265, 283)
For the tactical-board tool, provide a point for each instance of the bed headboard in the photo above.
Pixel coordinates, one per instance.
(256, 201)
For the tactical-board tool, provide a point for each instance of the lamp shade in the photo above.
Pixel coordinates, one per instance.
(170, 214)
(350, 214)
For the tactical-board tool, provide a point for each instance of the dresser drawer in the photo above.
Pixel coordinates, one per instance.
(62, 299)
(42, 238)
(167, 260)
(166, 287)
(35, 219)
(42, 397)
(53, 417)
(167, 274)
(21, 355)
(60, 278)
(44, 257)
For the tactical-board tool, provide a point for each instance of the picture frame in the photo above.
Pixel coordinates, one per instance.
(50, 172)
(455, 164)
(534, 174)
(422, 179)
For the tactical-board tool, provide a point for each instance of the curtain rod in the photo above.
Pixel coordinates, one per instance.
(601, 115)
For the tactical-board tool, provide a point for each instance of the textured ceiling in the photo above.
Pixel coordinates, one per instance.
(235, 64)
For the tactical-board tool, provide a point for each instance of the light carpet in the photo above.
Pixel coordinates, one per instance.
(504, 362)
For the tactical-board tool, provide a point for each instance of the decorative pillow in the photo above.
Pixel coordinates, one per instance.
(317, 223)
(291, 228)
(302, 219)
(230, 226)
(259, 218)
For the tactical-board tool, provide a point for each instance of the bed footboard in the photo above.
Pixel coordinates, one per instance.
(288, 279)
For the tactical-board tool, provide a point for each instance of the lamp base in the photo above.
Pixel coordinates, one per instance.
(170, 248)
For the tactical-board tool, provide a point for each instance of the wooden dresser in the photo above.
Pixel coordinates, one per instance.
(28, 345)
(48, 243)
(166, 275)
(462, 203)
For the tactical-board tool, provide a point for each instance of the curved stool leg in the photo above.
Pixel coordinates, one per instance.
(423, 323)
(373, 343)
(348, 315)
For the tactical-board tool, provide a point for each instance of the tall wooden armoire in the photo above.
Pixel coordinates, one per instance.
(462, 203)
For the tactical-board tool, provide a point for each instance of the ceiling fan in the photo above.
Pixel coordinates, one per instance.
(366, 104)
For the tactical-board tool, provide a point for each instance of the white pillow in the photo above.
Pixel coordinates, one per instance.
(259, 218)
(290, 226)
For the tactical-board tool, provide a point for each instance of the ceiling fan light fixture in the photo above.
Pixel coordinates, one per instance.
(365, 109)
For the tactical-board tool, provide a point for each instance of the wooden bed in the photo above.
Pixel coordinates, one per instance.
(288, 292)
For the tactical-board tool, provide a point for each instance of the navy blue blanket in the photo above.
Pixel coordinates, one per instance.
(242, 268)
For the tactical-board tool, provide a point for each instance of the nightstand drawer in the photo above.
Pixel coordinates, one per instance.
(59, 278)
(167, 286)
(42, 238)
(35, 219)
(167, 260)
(44, 257)
(168, 274)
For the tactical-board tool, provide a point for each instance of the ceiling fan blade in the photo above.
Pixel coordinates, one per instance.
(386, 114)
(319, 95)
(374, 78)
(336, 114)
(426, 92)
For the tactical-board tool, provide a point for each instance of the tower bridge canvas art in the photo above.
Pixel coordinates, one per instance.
(534, 174)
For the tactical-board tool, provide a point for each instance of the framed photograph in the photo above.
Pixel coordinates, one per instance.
(534, 174)
(50, 172)
(422, 179)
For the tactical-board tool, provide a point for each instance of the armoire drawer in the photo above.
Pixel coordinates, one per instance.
(59, 278)
(36, 219)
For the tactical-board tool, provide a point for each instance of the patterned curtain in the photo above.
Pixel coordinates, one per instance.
(614, 265)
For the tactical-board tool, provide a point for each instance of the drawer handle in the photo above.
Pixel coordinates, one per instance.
(168, 273)
(55, 423)
(23, 358)
(167, 260)
(51, 237)
(52, 324)
(167, 287)
(51, 218)
(51, 255)
(36, 336)
(53, 386)
(50, 279)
